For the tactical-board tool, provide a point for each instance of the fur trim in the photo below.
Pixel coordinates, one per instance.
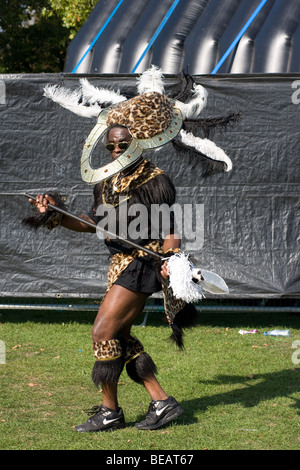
(140, 368)
(186, 318)
(44, 219)
(107, 371)
(151, 80)
(132, 348)
(157, 189)
(181, 279)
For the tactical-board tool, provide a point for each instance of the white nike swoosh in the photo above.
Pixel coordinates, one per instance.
(159, 412)
(108, 421)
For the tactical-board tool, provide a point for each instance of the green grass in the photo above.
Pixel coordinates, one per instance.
(238, 392)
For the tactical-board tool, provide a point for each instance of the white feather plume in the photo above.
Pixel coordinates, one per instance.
(70, 100)
(181, 279)
(194, 107)
(92, 94)
(151, 80)
(207, 147)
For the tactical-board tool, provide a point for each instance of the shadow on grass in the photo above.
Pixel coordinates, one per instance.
(252, 391)
(248, 392)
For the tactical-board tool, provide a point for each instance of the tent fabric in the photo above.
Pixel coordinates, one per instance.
(192, 37)
(246, 222)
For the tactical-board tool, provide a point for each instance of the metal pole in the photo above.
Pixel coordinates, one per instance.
(96, 227)
(153, 308)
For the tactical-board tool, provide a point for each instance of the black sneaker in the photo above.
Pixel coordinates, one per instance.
(160, 412)
(103, 419)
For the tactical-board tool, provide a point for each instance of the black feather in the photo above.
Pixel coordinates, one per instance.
(205, 126)
(41, 220)
(183, 91)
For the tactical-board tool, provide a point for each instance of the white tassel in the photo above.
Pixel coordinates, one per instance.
(151, 80)
(181, 279)
(69, 99)
(92, 94)
(194, 107)
(207, 147)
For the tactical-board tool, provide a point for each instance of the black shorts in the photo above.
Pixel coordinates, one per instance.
(140, 276)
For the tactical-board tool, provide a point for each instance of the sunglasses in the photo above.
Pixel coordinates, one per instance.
(121, 145)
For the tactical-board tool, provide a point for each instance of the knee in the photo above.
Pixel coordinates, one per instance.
(95, 334)
(99, 331)
(104, 328)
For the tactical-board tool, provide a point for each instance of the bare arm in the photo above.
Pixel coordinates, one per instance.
(41, 203)
(171, 242)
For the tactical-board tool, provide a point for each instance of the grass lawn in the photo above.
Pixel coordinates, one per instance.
(239, 392)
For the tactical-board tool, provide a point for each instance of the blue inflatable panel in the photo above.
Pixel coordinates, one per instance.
(195, 36)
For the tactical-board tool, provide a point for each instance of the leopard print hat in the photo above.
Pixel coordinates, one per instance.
(152, 118)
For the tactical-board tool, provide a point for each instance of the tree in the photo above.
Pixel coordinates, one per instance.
(72, 13)
(34, 34)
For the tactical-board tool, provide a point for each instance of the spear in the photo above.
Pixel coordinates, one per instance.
(95, 228)
(186, 281)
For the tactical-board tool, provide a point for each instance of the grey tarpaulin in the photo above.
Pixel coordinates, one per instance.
(250, 215)
(193, 36)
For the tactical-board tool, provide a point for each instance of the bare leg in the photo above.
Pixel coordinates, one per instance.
(117, 313)
(154, 389)
(116, 316)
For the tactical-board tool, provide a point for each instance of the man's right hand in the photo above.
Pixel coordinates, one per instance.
(41, 202)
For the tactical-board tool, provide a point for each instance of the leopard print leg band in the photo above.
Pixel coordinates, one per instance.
(133, 349)
(109, 362)
(139, 365)
(107, 350)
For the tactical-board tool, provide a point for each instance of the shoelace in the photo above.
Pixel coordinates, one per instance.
(94, 410)
(153, 406)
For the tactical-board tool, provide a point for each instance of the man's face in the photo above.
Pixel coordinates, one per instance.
(118, 136)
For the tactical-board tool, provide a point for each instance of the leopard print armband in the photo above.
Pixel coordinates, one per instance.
(54, 222)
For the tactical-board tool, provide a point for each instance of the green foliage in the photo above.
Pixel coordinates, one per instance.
(72, 13)
(34, 34)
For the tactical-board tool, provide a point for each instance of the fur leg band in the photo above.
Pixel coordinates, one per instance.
(133, 348)
(109, 362)
(107, 350)
(139, 364)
